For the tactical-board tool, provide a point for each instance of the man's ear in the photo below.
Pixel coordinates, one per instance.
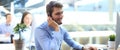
(49, 14)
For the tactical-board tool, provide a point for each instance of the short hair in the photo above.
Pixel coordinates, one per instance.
(7, 15)
(51, 5)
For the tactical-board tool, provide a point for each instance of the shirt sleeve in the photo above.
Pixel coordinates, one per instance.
(0, 30)
(71, 42)
(41, 40)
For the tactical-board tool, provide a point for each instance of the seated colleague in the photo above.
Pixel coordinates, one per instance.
(27, 34)
(49, 35)
(6, 29)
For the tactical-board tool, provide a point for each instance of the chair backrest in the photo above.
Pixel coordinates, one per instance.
(11, 38)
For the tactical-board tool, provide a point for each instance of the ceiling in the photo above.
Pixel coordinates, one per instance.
(19, 5)
(5, 3)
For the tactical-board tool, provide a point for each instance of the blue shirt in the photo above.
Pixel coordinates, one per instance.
(47, 39)
(6, 28)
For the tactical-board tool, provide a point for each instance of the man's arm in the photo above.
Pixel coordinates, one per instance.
(75, 45)
(71, 42)
(42, 40)
(0, 30)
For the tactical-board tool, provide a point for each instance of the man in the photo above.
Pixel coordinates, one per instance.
(49, 35)
(6, 29)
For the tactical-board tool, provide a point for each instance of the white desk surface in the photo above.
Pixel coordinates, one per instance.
(101, 46)
(3, 38)
(7, 47)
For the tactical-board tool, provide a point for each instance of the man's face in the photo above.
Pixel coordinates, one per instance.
(57, 15)
(8, 19)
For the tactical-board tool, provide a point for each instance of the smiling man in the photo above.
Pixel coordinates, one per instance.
(49, 35)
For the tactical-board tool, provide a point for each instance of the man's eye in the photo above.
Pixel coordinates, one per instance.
(59, 13)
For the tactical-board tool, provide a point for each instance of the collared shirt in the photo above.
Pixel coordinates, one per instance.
(6, 28)
(47, 39)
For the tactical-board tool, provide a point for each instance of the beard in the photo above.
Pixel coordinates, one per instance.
(58, 21)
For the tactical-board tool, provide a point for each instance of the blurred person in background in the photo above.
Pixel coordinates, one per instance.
(49, 35)
(27, 34)
(6, 29)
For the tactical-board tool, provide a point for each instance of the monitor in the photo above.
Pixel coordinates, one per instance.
(117, 40)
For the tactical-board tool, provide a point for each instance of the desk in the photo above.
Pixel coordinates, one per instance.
(101, 47)
(7, 47)
(3, 38)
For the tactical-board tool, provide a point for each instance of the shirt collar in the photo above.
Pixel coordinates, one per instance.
(7, 24)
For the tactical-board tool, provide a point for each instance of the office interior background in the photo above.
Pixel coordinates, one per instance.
(96, 17)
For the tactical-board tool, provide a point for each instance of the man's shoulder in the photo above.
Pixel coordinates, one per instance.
(2, 24)
(42, 26)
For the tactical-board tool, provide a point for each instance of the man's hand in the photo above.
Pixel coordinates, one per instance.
(89, 48)
(7, 34)
(53, 24)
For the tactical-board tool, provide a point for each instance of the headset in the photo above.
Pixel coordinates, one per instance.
(50, 14)
(51, 4)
